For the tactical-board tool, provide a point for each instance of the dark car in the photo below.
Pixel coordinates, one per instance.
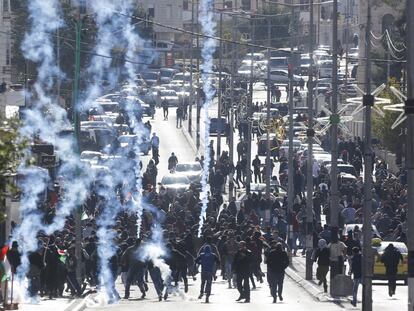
(218, 127)
(274, 145)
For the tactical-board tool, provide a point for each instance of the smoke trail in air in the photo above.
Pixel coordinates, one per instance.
(99, 70)
(137, 49)
(208, 25)
(154, 250)
(44, 119)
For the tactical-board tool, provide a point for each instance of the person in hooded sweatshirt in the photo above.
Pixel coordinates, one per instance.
(208, 260)
(277, 261)
(322, 258)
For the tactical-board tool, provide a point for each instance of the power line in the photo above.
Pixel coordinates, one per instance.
(197, 34)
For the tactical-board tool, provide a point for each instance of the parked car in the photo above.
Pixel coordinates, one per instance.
(166, 75)
(192, 170)
(175, 183)
(151, 77)
(171, 97)
(216, 126)
(282, 76)
(345, 168)
(284, 148)
(245, 71)
(128, 142)
(274, 145)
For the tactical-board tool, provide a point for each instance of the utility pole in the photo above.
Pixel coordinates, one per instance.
(368, 102)
(219, 125)
(76, 122)
(233, 71)
(190, 106)
(334, 195)
(269, 85)
(291, 155)
(309, 175)
(198, 85)
(409, 162)
(249, 115)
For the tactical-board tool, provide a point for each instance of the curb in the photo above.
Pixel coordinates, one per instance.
(312, 290)
(190, 139)
(77, 305)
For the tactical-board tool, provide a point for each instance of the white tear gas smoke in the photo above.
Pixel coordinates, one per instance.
(115, 30)
(100, 68)
(32, 195)
(136, 49)
(154, 249)
(208, 25)
(45, 119)
(106, 235)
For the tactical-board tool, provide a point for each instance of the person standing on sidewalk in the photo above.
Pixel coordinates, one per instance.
(322, 258)
(242, 268)
(356, 270)
(164, 105)
(208, 260)
(277, 261)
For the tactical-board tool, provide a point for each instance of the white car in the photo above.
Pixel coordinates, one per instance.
(171, 97)
(282, 76)
(246, 70)
(91, 157)
(192, 170)
(175, 182)
(284, 148)
(344, 168)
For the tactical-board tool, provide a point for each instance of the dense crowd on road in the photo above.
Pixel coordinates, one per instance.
(238, 237)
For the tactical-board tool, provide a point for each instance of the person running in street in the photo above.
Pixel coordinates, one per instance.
(242, 268)
(172, 162)
(179, 113)
(208, 260)
(164, 105)
(391, 258)
(277, 261)
(155, 145)
(322, 258)
(256, 169)
(356, 270)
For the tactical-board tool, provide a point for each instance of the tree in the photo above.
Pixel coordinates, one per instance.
(280, 29)
(382, 125)
(11, 154)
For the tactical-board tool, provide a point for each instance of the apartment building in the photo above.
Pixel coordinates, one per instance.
(5, 41)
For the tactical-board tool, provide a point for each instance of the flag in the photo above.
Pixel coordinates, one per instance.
(84, 216)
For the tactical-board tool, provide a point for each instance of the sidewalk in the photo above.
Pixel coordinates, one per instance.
(297, 272)
(59, 304)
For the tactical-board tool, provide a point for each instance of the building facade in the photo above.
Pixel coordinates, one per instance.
(5, 41)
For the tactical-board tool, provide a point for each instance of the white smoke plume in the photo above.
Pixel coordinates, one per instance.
(208, 25)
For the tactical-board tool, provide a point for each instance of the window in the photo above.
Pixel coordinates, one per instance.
(185, 5)
(82, 6)
(168, 11)
(246, 5)
(228, 4)
(6, 7)
(8, 57)
(151, 11)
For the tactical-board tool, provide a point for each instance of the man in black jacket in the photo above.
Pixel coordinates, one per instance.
(356, 269)
(391, 258)
(277, 261)
(242, 268)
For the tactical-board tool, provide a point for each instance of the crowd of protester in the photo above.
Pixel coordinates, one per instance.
(238, 238)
